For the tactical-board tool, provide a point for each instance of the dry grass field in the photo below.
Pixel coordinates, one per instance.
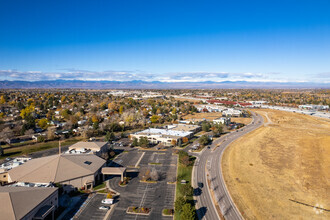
(241, 120)
(286, 160)
(214, 115)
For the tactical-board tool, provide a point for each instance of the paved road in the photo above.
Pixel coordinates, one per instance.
(208, 166)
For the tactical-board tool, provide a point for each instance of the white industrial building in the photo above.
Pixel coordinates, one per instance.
(167, 135)
(225, 121)
(230, 112)
(314, 107)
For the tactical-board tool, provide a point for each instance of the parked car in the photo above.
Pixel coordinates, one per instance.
(107, 201)
(104, 207)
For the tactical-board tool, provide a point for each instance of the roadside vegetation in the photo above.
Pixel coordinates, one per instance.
(184, 203)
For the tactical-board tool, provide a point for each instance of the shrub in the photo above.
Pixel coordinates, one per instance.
(179, 202)
(188, 212)
(41, 138)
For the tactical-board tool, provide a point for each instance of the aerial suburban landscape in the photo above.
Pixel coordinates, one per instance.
(181, 110)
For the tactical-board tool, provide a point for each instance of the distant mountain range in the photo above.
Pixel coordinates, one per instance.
(137, 84)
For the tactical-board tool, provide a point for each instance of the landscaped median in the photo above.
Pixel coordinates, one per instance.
(168, 212)
(184, 203)
(124, 182)
(138, 210)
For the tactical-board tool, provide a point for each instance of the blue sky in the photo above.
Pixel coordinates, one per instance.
(165, 40)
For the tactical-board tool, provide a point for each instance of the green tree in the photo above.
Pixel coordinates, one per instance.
(203, 140)
(135, 142)
(110, 136)
(179, 202)
(187, 190)
(188, 212)
(217, 129)
(143, 142)
(206, 127)
(95, 125)
(65, 113)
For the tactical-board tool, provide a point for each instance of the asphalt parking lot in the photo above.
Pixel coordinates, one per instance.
(92, 210)
(128, 159)
(156, 196)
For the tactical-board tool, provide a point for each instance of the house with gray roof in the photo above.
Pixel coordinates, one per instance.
(28, 202)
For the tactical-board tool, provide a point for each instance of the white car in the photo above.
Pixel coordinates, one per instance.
(107, 201)
(104, 207)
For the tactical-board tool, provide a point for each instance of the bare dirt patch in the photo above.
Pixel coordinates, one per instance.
(288, 161)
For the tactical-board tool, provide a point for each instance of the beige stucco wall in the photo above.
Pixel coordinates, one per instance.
(4, 177)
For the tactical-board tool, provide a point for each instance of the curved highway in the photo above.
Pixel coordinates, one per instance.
(208, 167)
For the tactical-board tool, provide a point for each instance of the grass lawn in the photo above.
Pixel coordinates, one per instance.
(100, 186)
(27, 149)
(104, 191)
(184, 173)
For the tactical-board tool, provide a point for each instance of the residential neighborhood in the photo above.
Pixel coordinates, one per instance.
(83, 147)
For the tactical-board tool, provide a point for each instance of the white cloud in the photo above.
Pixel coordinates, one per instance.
(123, 75)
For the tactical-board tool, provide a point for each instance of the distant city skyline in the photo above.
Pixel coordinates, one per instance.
(170, 41)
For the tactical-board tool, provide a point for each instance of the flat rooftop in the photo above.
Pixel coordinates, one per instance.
(167, 132)
(183, 127)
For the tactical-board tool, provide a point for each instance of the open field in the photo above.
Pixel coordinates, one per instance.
(241, 120)
(274, 169)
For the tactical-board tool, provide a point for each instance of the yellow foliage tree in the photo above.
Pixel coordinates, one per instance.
(121, 109)
(2, 100)
(63, 98)
(184, 139)
(27, 111)
(173, 142)
(111, 106)
(43, 123)
(95, 119)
